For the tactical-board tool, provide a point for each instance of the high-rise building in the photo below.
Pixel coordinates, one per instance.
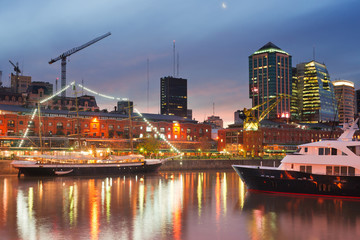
(270, 74)
(345, 96)
(357, 104)
(173, 96)
(317, 102)
(215, 121)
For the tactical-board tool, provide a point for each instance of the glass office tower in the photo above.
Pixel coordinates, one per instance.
(270, 74)
(318, 97)
(345, 96)
(173, 97)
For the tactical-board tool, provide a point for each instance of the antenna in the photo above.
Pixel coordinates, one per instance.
(147, 69)
(314, 53)
(178, 64)
(174, 57)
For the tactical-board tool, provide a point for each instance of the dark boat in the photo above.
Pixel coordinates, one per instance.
(83, 165)
(329, 167)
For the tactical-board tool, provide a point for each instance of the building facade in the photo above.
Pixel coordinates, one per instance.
(20, 84)
(345, 96)
(99, 126)
(173, 97)
(317, 100)
(270, 74)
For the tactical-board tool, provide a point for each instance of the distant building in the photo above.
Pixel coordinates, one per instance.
(215, 121)
(39, 90)
(270, 74)
(189, 114)
(345, 96)
(84, 103)
(173, 96)
(124, 106)
(19, 84)
(357, 104)
(316, 95)
(237, 119)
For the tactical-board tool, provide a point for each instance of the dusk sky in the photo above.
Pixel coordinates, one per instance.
(213, 39)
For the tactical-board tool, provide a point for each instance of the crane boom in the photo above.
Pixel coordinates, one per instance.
(64, 55)
(16, 67)
(76, 49)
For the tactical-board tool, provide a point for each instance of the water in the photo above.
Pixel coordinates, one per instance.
(168, 205)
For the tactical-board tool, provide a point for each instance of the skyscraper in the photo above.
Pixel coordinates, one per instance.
(345, 96)
(270, 74)
(173, 96)
(318, 103)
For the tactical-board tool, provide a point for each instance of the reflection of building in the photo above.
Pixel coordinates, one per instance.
(270, 74)
(345, 95)
(173, 98)
(19, 84)
(318, 99)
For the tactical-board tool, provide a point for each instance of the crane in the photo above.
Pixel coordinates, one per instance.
(17, 71)
(64, 55)
(250, 121)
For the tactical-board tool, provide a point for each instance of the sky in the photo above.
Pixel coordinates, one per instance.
(213, 40)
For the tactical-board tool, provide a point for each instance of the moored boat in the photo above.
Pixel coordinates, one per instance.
(78, 164)
(328, 167)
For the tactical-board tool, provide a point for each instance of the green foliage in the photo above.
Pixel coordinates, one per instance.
(149, 145)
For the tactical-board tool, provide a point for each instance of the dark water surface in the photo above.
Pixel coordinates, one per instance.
(168, 205)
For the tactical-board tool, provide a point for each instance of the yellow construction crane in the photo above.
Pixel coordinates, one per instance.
(251, 123)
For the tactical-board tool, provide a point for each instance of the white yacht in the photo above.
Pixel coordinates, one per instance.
(328, 167)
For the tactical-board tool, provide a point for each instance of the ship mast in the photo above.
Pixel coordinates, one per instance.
(130, 129)
(41, 147)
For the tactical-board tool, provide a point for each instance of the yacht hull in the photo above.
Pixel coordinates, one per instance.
(84, 169)
(275, 180)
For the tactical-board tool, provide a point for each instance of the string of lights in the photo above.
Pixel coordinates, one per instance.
(162, 136)
(35, 110)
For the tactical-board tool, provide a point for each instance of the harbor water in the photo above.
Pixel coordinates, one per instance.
(166, 205)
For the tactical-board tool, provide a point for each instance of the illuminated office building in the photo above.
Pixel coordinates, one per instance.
(270, 74)
(345, 95)
(318, 103)
(173, 96)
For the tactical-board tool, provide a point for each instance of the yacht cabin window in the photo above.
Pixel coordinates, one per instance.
(355, 149)
(329, 151)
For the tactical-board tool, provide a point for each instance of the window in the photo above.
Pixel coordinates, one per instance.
(309, 169)
(351, 171)
(162, 129)
(327, 151)
(68, 124)
(306, 149)
(148, 129)
(169, 136)
(85, 125)
(333, 151)
(111, 127)
(21, 122)
(1, 121)
(343, 170)
(188, 130)
(102, 126)
(94, 126)
(328, 170)
(11, 123)
(118, 127)
(302, 168)
(50, 123)
(336, 170)
(321, 151)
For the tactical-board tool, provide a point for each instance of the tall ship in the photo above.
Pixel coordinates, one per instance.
(84, 164)
(327, 167)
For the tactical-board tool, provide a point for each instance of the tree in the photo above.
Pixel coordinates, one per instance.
(149, 145)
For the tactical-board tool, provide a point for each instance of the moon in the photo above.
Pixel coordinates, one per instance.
(223, 5)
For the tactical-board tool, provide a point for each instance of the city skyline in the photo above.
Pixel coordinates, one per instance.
(213, 39)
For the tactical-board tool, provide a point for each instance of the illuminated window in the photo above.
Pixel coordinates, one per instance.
(169, 136)
(111, 127)
(148, 129)
(50, 123)
(141, 135)
(162, 129)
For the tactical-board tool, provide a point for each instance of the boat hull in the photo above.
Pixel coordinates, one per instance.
(85, 170)
(275, 180)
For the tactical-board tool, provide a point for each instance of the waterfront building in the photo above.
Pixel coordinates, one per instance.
(84, 103)
(100, 128)
(273, 138)
(173, 97)
(38, 91)
(345, 96)
(316, 95)
(270, 74)
(20, 84)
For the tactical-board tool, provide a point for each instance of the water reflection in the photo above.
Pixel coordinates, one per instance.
(169, 205)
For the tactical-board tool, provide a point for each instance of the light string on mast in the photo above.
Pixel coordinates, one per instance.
(35, 110)
(162, 136)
